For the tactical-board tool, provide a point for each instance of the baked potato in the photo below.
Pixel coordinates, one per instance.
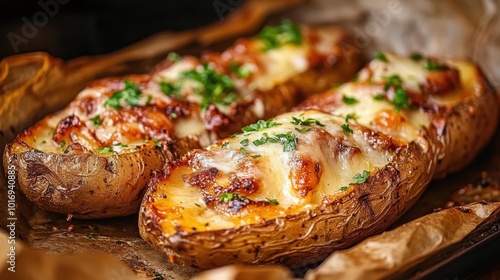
(93, 158)
(343, 166)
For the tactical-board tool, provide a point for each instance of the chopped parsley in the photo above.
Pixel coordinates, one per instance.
(63, 144)
(226, 197)
(197, 205)
(430, 65)
(120, 144)
(216, 88)
(131, 94)
(174, 57)
(149, 99)
(171, 89)
(361, 178)
(272, 201)
(351, 117)
(44, 142)
(157, 143)
(260, 125)
(380, 56)
(346, 128)
(303, 130)
(392, 81)
(416, 57)
(273, 37)
(256, 156)
(243, 151)
(379, 97)
(224, 144)
(105, 150)
(241, 71)
(401, 99)
(96, 120)
(349, 100)
(90, 235)
(244, 142)
(288, 140)
(305, 122)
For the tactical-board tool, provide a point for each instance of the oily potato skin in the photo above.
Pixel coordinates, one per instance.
(467, 127)
(90, 186)
(307, 237)
(85, 185)
(456, 135)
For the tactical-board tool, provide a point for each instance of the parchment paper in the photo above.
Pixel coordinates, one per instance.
(465, 29)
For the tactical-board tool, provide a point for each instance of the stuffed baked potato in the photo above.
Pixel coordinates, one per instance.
(94, 158)
(293, 189)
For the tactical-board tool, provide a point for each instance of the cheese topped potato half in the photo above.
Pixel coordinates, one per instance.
(342, 166)
(93, 158)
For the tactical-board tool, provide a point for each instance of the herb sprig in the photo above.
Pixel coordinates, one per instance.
(273, 37)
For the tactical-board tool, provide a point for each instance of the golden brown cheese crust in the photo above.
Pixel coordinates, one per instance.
(156, 125)
(394, 133)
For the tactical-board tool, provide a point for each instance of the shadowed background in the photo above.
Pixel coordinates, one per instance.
(96, 27)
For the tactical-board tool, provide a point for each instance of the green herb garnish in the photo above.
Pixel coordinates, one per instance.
(224, 144)
(105, 150)
(351, 117)
(379, 97)
(430, 65)
(241, 71)
(96, 120)
(216, 88)
(256, 156)
(401, 99)
(349, 100)
(226, 197)
(174, 57)
(120, 144)
(273, 37)
(272, 201)
(392, 81)
(416, 57)
(380, 56)
(303, 130)
(243, 151)
(346, 128)
(306, 122)
(244, 142)
(63, 144)
(171, 89)
(157, 143)
(260, 125)
(361, 178)
(131, 94)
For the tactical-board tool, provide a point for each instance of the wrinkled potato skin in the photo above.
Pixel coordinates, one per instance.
(308, 237)
(469, 126)
(364, 210)
(85, 185)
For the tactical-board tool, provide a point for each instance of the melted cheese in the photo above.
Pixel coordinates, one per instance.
(367, 110)
(272, 171)
(412, 72)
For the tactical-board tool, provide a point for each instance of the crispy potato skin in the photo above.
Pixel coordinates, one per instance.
(466, 128)
(310, 236)
(85, 185)
(456, 134)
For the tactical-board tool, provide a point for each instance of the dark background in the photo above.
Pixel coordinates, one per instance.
(97, 27)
